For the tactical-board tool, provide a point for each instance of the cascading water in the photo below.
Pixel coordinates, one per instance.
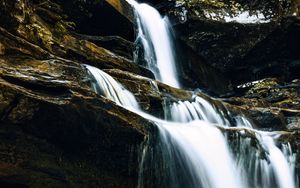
(105, 85)
(154, 34)
(187, 152)
(190, 151)
(200, 109)
(193, 148)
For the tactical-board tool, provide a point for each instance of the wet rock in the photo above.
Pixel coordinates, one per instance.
(52, 124)
(55, 132)
(293, 122)
(268, 119)
(281, 95)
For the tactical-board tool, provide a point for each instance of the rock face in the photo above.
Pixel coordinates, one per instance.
(265, 47)
(55, 136)
(54, 131)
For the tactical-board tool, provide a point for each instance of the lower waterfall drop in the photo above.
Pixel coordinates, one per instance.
(195, 153)
(196, 146)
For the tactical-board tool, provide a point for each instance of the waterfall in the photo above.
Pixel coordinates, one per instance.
(197, 144)
(154, 34)
(193, 145)
(188, 149)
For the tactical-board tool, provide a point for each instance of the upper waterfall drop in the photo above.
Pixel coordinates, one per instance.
(155, 35)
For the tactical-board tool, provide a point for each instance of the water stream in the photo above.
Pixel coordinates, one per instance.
(189, 149)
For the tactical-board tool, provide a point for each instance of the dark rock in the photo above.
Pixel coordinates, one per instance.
(97, 18)
(195, 72)
(244, 52)
(115, 44)
(282, 95)
(54, 39)
(268, 119)
(220, 44)
(56, 132)
(276, 55)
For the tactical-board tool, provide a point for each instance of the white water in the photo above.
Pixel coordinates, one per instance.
(277, 170)
(154, 34)
(202, 145)
(199, 143)
(200, 150)
(190, 151)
